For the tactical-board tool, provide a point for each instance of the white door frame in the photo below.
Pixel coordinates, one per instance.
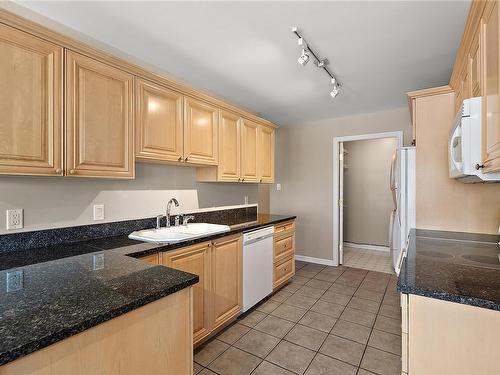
(336, 141)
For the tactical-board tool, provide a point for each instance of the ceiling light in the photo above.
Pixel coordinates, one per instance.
(303, 58)
(335, 90)
(321, 63)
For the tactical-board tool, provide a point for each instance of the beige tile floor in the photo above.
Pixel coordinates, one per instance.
(373, 260)
(327, 320)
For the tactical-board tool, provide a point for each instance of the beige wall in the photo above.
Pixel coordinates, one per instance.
(58, 202)
(304, 167)
(444, 203)
(367, 195)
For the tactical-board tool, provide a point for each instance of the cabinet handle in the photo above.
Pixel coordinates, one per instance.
(180, 158)
(58, 170)
(478, 167)
(260, 180)
(71, 171)
(186, 159)
(239, 179)
(242, 179)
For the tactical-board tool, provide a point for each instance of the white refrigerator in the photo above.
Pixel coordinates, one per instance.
(402, 186)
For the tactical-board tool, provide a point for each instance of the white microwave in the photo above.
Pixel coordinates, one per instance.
(465, 144)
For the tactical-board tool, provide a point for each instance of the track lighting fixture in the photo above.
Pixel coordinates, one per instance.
(303, 58)
(320, 63)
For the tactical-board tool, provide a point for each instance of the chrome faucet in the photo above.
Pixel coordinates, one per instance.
(169, 206)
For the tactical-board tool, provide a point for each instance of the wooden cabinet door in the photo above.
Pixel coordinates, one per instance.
(249, 139)
(265, 154)
(229, 147)
(99, 121)
(30, 104)
(476, 71)
(227, 279)
(201, 132)
(196, 259)
(159, 126)
(491, 123)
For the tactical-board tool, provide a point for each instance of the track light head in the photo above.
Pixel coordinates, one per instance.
(335, 90)
(303, 58)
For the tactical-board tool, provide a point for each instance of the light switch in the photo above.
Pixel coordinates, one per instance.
(98, 212)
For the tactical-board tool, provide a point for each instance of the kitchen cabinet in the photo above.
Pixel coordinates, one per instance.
(265, 154)
(442, 337)
(31, 90)
(249, 136)
(99, 121)
(217, 298)
(475, 65)
(284, 253)
(491, 102)
(152, 258)
(230, 147)
(196, 259)
(227, 276)
(463, 91)
(153, 339)
(159, 122)
(201, 132)
(246, 152)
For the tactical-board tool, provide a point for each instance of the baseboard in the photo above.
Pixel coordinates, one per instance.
(367, 247)
(325, 262)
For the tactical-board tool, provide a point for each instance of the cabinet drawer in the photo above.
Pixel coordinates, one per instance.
(284, 227)
(283, 271)
(283, 247)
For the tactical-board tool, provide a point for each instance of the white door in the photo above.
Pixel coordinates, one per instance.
(341, 202)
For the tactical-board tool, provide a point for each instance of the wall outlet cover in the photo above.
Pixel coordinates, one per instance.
(278, 187)
(98, 212)
(15, 280)
(15, 219)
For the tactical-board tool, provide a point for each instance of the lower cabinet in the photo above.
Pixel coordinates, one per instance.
(227, 278)
(196, 259)
(217, 298)
(442, 337)
(284, 253)
(153, 339)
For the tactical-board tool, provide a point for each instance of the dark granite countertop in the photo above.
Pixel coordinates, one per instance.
(456, 267)
(68, 288)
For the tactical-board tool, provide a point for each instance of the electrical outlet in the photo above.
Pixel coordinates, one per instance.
(98, 260)
(246, 200)
(98, 212)
(278, 187)
(14, 280)
(15, 219)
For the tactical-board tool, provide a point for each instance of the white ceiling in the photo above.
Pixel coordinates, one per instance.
(246, 53)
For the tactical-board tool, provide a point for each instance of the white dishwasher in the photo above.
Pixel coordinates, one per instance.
(257, 265)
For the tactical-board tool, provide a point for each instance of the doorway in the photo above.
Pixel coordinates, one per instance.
(363, 200)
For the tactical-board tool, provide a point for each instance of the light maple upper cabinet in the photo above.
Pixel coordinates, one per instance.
(99, 119)
(159, 123)
(30, 104)
(201, 132)
(249, 140)
(491, 104)
(227, 279)
(229, 147)
(265, 154)
(196, 259)
(475, 65)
